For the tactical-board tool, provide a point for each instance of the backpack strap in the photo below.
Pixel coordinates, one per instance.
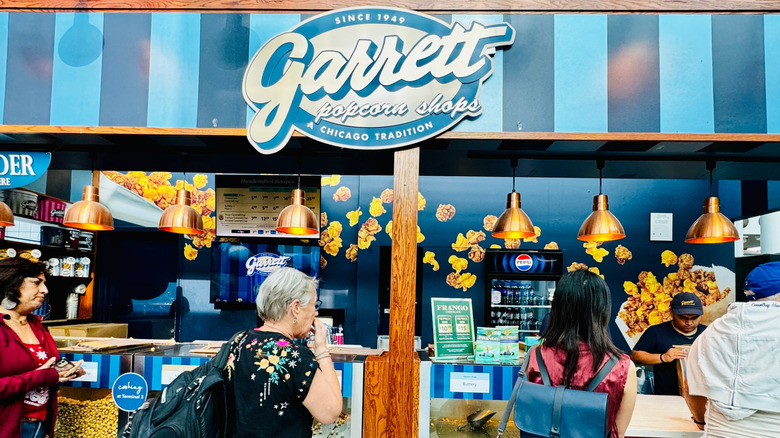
(511, 402)
(602, 374)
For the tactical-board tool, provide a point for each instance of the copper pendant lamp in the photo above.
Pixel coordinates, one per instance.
(89, 213)
(297, 218)
(6, 215)
(180, 217)
(712, 226)
(513, 222)
(601, 225)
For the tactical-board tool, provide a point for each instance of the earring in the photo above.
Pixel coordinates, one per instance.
(295, 320)
(7, 304)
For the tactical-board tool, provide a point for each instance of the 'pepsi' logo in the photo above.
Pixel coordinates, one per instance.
(524, 262)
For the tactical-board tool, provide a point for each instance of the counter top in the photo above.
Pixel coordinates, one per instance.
(661, 416)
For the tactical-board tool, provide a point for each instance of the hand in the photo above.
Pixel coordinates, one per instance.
(72, 373)
(320, 337)
(674, 353)
(48, 364)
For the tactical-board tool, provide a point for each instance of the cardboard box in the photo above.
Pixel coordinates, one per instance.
(92, 330)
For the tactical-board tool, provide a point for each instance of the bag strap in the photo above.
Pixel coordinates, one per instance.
(602, 374)
(221, 358)
(511, 402)
(542, 367)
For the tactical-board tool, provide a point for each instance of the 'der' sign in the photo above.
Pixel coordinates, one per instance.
(17, 169)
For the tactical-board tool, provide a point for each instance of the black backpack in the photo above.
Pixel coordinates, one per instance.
(193, 405)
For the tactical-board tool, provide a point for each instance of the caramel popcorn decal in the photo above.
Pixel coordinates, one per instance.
(576, 266)
(537, 233)
(342, 194)
(489, 222)
(386, 196)
(376, 208)
(156, 187)
(474, 237)
(323, 262)
(551, 245)
(354, 217)
(649, 298)
(593, 249)
(511, 243)
(477, 253)
(323, 219)
(352, 252)
(461, 281)
(332, 180)
(367, 231)
(445, 212)
(430, 258)
(622, 254)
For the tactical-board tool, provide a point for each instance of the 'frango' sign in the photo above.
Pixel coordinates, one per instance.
(369, 78)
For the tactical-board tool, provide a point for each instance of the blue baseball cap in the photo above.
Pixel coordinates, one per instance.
(686, 303)
(763, 281)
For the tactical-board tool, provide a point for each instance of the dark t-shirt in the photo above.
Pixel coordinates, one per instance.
(269, 377)
(658, 339)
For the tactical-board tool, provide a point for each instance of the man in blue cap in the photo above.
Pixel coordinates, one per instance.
(658, 345)
(733, 373)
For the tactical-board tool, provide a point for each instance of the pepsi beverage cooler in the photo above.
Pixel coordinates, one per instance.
(238, 269)
(520, 287)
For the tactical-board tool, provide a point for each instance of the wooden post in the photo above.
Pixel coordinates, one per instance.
(404, 374)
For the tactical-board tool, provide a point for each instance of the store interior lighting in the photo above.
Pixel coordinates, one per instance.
(513, 223)
(712, 226)
(180, 217)
(89, 213)
(601, 225)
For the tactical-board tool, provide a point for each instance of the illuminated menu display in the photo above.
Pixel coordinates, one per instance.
(249, 205)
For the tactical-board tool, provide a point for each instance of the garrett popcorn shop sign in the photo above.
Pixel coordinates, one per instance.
(369, 78)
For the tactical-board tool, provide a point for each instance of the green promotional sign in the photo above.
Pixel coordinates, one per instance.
(453, 328)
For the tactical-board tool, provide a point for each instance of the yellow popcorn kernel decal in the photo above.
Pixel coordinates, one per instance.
(668, 258)
(420, 235)
(389, 229)
(458, 264)
(467, 280)
(630, 288)
(489, 222)
(420, 202)
(430, 258)
(495, 246)
(352, 252)
(323, 219)
(622, 254)
(512, 243)
(537, 233)
(386, 196)
(354, 216)
(461, 243)
(330, 239)
(445, 212)
(474, 237)
(376, 208)
(596, 271)
(593, 249)
(190, 253)
(199, 180)
(367, 231)
(342, 194)
(551, 245)
(332, 180)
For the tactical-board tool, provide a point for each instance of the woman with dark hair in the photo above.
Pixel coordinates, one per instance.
(577, 344)
(28, 382)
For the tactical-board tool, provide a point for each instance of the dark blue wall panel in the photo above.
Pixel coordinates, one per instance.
(528, 78)
(633, 87)
(738, 73)
(30, 61)
(125, 95)
(224, 47)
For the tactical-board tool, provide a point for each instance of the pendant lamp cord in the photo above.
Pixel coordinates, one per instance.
(600, 167)
(513, 163)
(299, 160)
(710, 167)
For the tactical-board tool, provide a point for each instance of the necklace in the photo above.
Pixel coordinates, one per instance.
(24, 331)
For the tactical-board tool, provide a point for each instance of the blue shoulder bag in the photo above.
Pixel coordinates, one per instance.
(546, 411)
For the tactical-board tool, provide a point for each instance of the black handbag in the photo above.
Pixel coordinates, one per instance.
(556, 411)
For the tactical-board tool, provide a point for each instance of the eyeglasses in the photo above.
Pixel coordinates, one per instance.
(317, 304)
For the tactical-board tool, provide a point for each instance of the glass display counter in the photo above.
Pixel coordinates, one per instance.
(457, 390)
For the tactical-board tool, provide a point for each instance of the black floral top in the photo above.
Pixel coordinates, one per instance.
(268, 378)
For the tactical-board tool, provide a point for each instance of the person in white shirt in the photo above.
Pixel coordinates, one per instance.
(733, 376)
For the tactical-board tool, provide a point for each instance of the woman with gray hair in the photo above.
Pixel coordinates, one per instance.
(275, 386)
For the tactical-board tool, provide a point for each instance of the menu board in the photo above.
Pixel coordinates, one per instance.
(249, 205)
(453, 328)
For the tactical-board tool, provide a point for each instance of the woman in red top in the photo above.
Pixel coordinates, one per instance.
(28, 383)
(577, 344)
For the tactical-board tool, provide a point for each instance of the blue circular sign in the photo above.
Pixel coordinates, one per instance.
(130, 391)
